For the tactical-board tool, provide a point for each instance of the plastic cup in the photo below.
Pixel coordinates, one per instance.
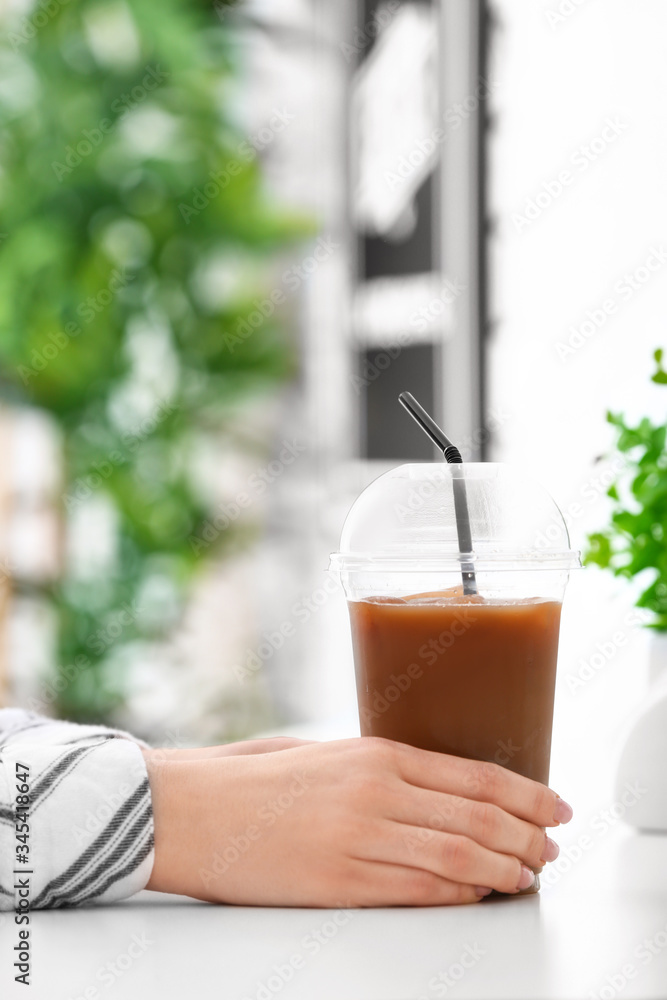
(472, 676)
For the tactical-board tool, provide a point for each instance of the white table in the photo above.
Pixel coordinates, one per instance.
(604, 897)
(566, 942)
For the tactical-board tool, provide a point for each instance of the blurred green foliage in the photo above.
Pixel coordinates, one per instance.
(123, 176)
(636, 539)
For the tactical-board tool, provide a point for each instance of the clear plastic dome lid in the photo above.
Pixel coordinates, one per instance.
(407, 518)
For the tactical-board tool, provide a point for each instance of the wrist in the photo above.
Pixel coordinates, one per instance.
(170, 783)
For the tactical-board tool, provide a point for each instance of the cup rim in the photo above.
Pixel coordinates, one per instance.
(416, 561)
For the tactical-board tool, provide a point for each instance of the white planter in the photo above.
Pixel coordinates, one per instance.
(641, 779)
(657, 662)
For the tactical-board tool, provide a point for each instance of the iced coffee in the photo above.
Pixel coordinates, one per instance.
(470, 676)
(438, 666)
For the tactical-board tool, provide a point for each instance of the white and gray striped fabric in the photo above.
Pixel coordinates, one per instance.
(90, 814)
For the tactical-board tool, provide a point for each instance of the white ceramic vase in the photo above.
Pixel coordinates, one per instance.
(657, 658)
(643, 763)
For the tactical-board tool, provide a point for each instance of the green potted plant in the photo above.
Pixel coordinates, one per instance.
(125, 181)
(634, 544)
(635, 541)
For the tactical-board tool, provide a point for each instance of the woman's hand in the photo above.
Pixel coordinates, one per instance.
(360, 822)
(266, 745)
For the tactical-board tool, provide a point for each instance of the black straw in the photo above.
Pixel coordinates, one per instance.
(453, 457)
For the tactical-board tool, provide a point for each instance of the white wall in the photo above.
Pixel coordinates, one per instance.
(557, 87)
(560, 81)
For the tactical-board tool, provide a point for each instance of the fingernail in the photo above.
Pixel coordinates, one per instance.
(481, 891)
(563, 812)
(527, 878)
(551, 850)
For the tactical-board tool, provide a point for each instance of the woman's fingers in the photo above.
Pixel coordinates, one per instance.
(450, 856)
(271, 744)
(484, 782)
(376, 883)
(243, 748)
(483, 822)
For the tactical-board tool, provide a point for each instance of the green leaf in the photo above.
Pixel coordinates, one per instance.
(660, 375)
(636, 540)
(659, 438)
(599, 552)
(616, 419)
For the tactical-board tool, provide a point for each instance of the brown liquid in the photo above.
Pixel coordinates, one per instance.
(462, 675)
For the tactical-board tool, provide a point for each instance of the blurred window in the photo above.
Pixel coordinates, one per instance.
(417, 123)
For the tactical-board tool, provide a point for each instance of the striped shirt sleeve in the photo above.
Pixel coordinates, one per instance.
(84, 824)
